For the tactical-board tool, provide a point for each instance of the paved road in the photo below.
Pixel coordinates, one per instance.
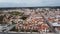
(9, 28)
(29, 33)
(49, 24)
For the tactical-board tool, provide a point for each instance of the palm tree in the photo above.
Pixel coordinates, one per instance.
(31, 28)
(20, 25)
(39, 28)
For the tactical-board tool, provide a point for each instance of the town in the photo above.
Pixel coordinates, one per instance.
(30, 20)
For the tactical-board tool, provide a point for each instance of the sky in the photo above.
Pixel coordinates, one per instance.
(28, 3)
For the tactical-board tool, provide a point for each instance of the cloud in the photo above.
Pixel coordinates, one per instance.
(19, 1)
(29, 3)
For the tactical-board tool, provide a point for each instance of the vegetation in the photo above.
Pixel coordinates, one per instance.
(15, 13)
(1, 19)
(24, 17)
(18, 13)
(35, 30)
(23, 30)
(1, 12)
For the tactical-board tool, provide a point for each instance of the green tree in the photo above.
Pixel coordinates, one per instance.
(1, 19)
(15, 13)
(24, 17)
